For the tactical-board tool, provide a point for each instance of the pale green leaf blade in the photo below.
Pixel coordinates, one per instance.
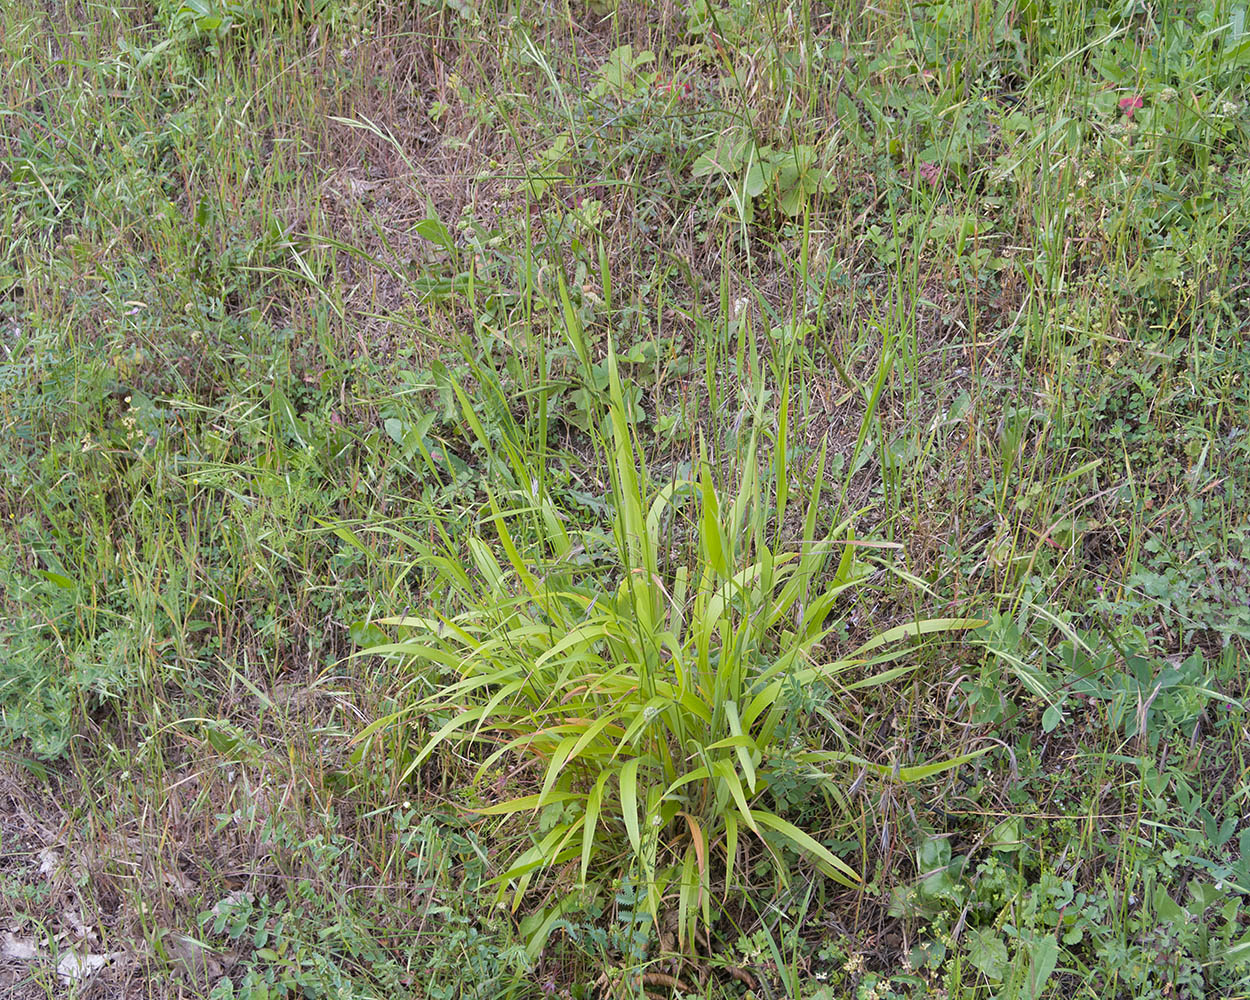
(629, 802)
(826, 860)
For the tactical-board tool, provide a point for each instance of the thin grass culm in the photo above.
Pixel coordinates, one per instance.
(650, 680)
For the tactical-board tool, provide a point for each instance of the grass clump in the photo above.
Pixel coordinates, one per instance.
(660, 680)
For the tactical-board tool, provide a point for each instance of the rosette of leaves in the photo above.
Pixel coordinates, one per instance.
(786, 179)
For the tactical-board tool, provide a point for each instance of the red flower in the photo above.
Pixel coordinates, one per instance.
(1130, 104)
(930, 173)
(677, 87)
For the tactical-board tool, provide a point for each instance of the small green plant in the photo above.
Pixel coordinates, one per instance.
(784, 179)
(655, 693)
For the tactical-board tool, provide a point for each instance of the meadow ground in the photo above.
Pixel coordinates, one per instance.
(721, 499)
